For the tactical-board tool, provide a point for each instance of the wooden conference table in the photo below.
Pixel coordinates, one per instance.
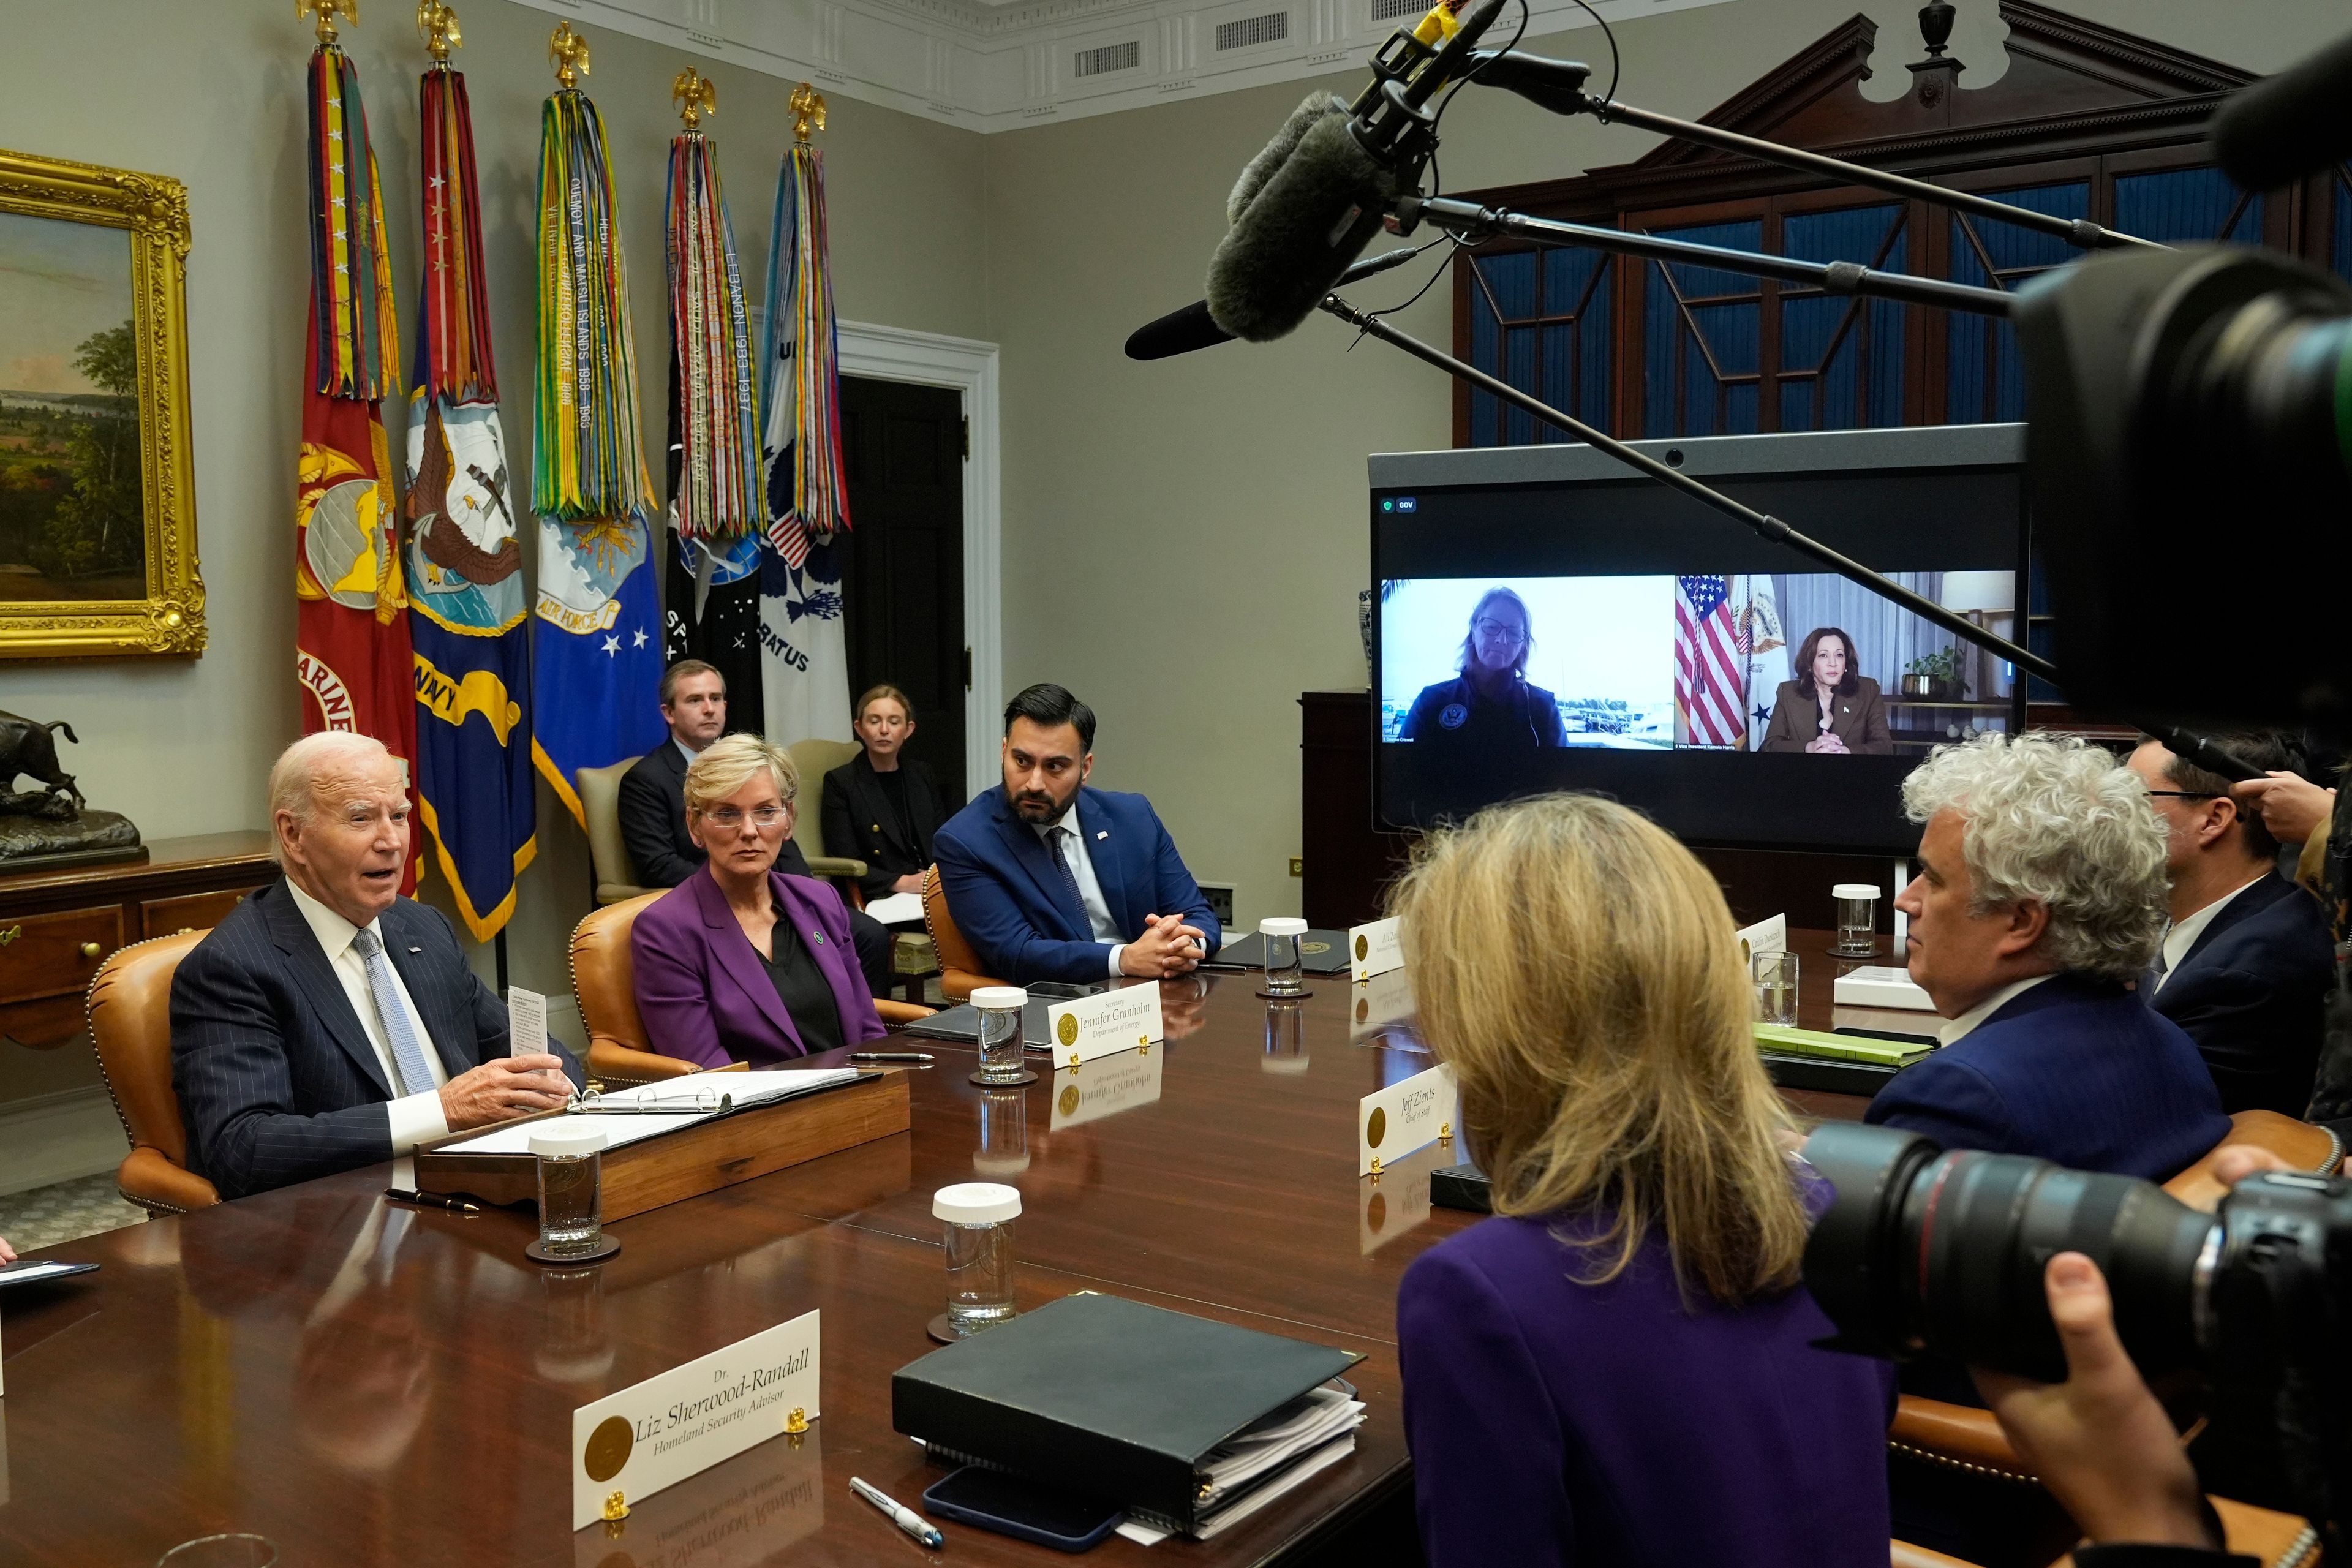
(369, 1383)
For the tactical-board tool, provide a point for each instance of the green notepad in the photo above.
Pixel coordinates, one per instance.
(1797, 1042)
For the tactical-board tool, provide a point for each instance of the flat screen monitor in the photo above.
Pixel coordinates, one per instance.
(1548, 620)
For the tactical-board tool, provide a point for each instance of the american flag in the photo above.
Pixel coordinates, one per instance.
(1710, 666)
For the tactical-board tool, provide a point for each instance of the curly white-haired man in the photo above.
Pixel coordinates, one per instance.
(2041, 899)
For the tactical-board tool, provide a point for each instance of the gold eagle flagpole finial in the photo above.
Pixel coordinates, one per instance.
(438, 24)
(695, 95)
(807, 105)
(567, 51)
(324, 11)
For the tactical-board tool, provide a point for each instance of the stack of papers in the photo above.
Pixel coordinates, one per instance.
(1793, 1042)
(1265, 1460)
(741, 1090)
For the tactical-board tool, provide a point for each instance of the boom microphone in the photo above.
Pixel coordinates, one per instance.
(1305, 206)
(2289, 125)
(1182, 331)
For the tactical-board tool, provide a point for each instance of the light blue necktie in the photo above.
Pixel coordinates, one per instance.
(408, 1050)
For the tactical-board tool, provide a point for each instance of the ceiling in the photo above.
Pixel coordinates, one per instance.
(999, 64)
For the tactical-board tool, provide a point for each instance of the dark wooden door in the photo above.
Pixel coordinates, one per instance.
(906, 453)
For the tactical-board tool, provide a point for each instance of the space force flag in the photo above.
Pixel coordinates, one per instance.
(596, 641)
(352, 651)
(465, 564)
(804, 650)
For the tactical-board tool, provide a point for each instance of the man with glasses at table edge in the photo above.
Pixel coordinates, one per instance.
(1490, 705)
(1050, 879)
(2247, 961)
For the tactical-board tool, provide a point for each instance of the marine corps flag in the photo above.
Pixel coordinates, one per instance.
(596, 648)
(352, 647)
(800, 601)
(464, 566)
(713, 588)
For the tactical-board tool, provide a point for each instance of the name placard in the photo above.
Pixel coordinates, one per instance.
(1393, 1122)
(1764, 936)
(1109, 1021)
(1374, 949)
(1122, 1083)
(684, 1421)
(1379, 1004)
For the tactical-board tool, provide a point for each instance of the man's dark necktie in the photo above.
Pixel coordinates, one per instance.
(1062, 863)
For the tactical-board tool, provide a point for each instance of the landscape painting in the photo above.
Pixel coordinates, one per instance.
(72, 521)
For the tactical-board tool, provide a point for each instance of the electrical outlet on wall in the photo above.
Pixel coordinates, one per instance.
(1298, 864)
(1221, 901)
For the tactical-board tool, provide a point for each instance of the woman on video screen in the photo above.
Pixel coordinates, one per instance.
(1489, 706)
(1828, 709)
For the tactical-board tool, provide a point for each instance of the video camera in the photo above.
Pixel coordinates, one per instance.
(1925, 1251)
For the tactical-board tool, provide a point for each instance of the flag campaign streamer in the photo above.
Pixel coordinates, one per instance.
(597, 648)
(805, 654)
(472, 674)
(715, 515)
(352, 655)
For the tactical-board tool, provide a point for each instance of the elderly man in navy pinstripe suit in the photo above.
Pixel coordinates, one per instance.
(329, 1023)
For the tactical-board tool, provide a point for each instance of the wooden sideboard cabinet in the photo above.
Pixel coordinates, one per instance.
(58, 925)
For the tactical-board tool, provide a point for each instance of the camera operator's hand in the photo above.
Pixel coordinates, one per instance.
(2099, 1440)
(2292, 808)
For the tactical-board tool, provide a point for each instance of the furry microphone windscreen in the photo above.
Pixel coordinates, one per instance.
(1317, 107)
(1312, 213)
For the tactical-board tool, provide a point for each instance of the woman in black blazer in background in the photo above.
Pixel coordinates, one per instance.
(879, 807)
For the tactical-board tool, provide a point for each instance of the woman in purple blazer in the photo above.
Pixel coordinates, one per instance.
(741, 963)
(1617, 1368)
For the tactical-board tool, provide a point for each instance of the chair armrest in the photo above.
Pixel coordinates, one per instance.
(1903, 1555)
(1956, 1434)
(610, 1063)
(620, 892)
(148, 1178)
(836, 866)
(900, 1012)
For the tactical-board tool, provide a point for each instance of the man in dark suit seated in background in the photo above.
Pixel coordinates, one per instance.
(1050, 880)
(653, 806)
(329, 1023)
(2040, 900)
(2247, 961)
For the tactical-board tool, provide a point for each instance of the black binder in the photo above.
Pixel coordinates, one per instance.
(1097, 1392)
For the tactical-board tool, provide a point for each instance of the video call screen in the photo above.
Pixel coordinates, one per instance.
(1614, 635)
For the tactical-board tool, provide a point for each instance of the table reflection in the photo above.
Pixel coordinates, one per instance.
(1286, 1036)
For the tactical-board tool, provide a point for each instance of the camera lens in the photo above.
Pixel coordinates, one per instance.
(1922, 1250)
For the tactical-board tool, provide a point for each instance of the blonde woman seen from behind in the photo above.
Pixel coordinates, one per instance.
(1619, 1366)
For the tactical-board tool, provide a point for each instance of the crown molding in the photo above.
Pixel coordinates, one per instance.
(991, 67)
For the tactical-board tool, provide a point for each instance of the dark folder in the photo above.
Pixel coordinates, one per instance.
(1125, 1400)
(961, 1022)
(1319, 953)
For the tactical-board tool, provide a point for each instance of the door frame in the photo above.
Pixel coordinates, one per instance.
(968, 367)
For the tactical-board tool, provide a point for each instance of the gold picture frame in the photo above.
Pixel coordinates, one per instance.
(48, 608)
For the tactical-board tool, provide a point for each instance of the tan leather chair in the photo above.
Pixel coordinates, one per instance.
(600, 800)
(603, 978)
(1965, 1438)
(815, 759)
(130, 1012)
(960, 971)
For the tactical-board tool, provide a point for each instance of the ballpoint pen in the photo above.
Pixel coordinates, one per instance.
(890, 1055)
(905, 1519)
(608, 1106)
(432, 1201)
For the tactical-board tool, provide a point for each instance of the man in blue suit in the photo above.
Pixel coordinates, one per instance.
(329, 1023)
(2040, 900)
(2247, 961)
(1050, 880)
